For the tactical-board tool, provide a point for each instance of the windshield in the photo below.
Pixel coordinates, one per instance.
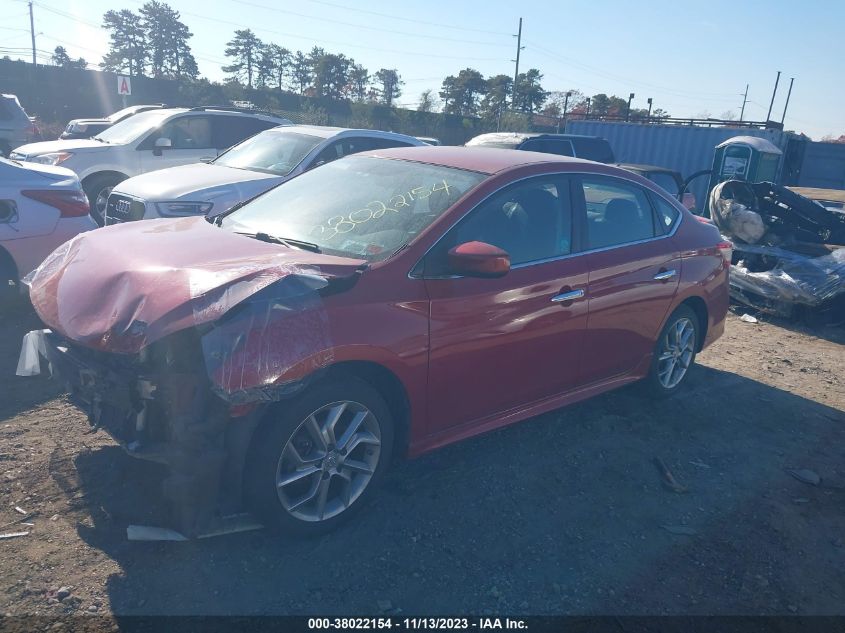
(357, 206)
(272, 151)
(129, 129)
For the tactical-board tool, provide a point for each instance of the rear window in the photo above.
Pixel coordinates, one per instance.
(597, 149)
(664, 181)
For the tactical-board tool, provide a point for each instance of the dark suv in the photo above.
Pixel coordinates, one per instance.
(587, 147)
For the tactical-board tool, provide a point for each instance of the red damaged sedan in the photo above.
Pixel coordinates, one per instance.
(380, 305)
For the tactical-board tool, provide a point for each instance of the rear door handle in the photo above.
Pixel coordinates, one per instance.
(666, 274)
(572, 295)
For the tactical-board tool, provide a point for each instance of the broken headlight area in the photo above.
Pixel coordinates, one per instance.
(158, 405)
(789, 251)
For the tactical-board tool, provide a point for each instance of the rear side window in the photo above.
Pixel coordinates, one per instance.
(596, 149)
(617, 213)
(666, 213)
(231, 130)
(369, 143)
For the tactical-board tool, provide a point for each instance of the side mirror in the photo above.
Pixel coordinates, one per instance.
(160, 144)
(479, 259)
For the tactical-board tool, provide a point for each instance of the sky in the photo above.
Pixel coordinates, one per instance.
(692, 59)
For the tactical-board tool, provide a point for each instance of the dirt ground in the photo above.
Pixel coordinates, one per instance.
(563, 514)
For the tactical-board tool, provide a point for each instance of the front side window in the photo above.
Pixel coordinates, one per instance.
(531, 221)
(231, 130)
(617, 213)
(360, 206)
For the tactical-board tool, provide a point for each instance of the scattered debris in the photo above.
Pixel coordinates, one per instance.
(20, 510)
(62, 593)
(668, 478)
(806, 476)
(788, 255)
(384, 605)
(747, 318)
(13, 534)
(801, 500)
(699, 464)
(680, 529)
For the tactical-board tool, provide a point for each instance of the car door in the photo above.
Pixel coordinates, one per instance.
(634, 268)
(190, 139)
(500, 344)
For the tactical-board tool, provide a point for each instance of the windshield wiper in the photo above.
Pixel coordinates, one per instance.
(284, 241)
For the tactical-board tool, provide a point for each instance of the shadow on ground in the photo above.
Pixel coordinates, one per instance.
(565, 513)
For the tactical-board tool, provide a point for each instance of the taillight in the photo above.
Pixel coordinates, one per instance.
(726, 248)
(70, 203)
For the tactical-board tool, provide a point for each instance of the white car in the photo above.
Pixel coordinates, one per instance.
(145, 142)
(246, 170)
(41, 207)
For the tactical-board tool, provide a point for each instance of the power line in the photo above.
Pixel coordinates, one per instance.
(369, 28)
(674, 92)
(405, 19)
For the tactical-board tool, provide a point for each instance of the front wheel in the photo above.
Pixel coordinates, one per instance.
(316, 458)
(674, 353)
(98, 188)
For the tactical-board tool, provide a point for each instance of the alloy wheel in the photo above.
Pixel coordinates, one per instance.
(328, 461)
(677, 351)
(102, 200)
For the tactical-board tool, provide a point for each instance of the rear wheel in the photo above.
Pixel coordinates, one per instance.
(674, 353)
(316, 458)
(98, 188)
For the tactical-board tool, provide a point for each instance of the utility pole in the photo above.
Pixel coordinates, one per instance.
(587, 114)
(628, 111)
(516, 69)
(649, 110)
(788, 94)
(32, 33)
(774, 92)
(744, 101)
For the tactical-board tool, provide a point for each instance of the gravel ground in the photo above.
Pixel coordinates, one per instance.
(564, 514)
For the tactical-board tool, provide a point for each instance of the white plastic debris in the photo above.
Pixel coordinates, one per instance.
(747, 318)
(13, 534)
(32, 349)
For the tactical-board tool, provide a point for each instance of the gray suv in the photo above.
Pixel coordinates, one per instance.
(15, 126)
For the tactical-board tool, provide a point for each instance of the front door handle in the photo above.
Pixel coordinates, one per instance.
(572, 295)
(664, 275)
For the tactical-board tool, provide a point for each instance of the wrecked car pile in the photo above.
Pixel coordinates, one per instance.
(789, 251)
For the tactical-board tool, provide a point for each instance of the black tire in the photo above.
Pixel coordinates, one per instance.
(96, 185)
(10, 294)
(281, 424)
(655, 387)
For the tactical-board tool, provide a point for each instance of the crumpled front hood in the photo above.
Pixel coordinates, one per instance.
(194, 180)
(122, 287)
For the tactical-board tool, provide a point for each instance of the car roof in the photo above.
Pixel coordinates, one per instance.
(325, 131)
(486, 160)
(649, 168)
(165, 112)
